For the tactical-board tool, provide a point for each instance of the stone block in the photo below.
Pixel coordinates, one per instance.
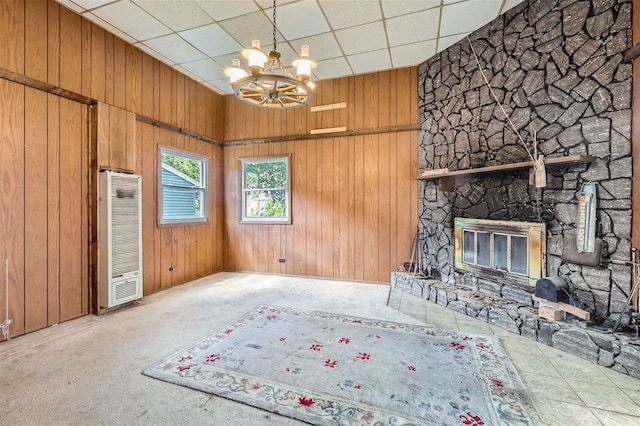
(629, 361)
(517, 294)
(417, 288)
(458, 306)
(489, 287)
(502, 319)
(606, 359)
(576, 342)
(441, 297)
(546, 331)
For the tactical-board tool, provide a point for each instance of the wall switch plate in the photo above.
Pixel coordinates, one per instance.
(281, 260)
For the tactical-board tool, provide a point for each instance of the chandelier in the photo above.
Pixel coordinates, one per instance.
(269, 84)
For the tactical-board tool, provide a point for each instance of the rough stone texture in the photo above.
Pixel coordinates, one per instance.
(609, 350)
(556, 67)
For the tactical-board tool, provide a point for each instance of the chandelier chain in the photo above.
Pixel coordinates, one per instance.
(274, 26)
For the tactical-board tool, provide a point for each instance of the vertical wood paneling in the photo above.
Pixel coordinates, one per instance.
(133, 82)
(354, 202)
(70, 49)
(53, 43)
(119, 73)
(71, 200)
(12, 23)
(53, 209)
(35, 187)
(98, 65)
(149, 212)
(35, 45)
(12, 202)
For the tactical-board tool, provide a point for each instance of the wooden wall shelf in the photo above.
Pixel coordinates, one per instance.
(447, 180)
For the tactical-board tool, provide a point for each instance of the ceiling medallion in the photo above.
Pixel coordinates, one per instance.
(269, 84)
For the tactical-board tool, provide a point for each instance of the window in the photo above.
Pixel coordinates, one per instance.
(265, 190)
(183, 187)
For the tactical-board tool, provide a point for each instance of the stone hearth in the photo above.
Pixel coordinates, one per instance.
(618, 351)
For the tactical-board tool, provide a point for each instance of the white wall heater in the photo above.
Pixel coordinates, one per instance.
(119, 238)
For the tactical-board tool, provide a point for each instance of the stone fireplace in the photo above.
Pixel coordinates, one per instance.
(557, 70)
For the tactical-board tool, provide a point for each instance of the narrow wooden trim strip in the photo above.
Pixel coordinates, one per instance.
(361, 132)
(632, 53)
(328, 130)
(327, 107)
(162, 125)
(45, 87)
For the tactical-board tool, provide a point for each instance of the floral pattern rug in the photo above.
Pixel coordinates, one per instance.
(329, 369)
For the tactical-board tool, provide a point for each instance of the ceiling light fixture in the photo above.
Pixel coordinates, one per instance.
(269, 84)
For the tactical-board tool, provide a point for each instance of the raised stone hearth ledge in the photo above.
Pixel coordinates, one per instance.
(615, 351)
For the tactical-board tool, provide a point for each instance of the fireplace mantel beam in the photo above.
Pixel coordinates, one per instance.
(447, 178)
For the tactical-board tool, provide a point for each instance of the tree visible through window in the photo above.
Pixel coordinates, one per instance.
(265, 189)
(183, 187)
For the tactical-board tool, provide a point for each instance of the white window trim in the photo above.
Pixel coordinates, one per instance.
(204, 188)
(243, 208)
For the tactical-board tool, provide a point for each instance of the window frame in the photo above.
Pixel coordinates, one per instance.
(203, 188)
(243, 207)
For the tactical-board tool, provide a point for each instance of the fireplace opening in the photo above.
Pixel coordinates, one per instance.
(510, 251)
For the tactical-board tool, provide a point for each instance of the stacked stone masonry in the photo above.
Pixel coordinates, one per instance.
(609, 350)
(556, 66)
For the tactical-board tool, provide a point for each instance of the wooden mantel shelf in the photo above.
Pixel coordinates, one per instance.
(447, 183)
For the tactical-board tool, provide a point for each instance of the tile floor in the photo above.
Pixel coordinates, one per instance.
(565, 389)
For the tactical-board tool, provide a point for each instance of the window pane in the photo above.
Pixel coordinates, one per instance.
(484, 248)
(500, 252)
(468, 245)
(183, 192)
(519, 255)
(265, 190)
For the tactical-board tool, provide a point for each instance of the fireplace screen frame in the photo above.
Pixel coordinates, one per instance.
(535, 233)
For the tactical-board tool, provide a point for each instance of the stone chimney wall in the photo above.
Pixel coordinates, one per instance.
(557, 68)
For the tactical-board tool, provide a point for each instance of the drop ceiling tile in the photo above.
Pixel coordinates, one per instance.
(414, 27)
(132, 20)
(363, 38)
(91, 4)
(113, 30)
(300, 19)
(393, 8)
(211, 39)
(222, 86)
(207, 69)
(342, 14)
(175, 48)
(468, 16)
(188, 73)
(446, 42)
(254, 26)
(321, 46)
(149, 51)
(225, 9)
(370, 61)
(332, 68)
(71, 6)
(412, 54)
(267, 4)
(178, 16)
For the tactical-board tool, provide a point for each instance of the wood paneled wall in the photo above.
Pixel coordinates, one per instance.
(48, 166)
(354, 198)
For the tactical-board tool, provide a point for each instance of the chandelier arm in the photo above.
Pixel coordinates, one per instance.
(298, 101)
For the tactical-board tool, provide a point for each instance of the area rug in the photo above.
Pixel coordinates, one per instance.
(329, 369)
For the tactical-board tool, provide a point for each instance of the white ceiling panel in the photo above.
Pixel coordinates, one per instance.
(332, 68)
(132, 20)
(413, 27)
(345, 37)
(343, 14)
(393, 8)
(206, 69)
(370, 61)
(177, 15)
(363, 38)
(225, 9)
(300, 19)
(254, 26)
(411, 54)
(321, 46)
(212, 40)
(175, 48)
(468, 16)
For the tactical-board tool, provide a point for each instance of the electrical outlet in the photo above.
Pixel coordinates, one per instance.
(281, 260)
